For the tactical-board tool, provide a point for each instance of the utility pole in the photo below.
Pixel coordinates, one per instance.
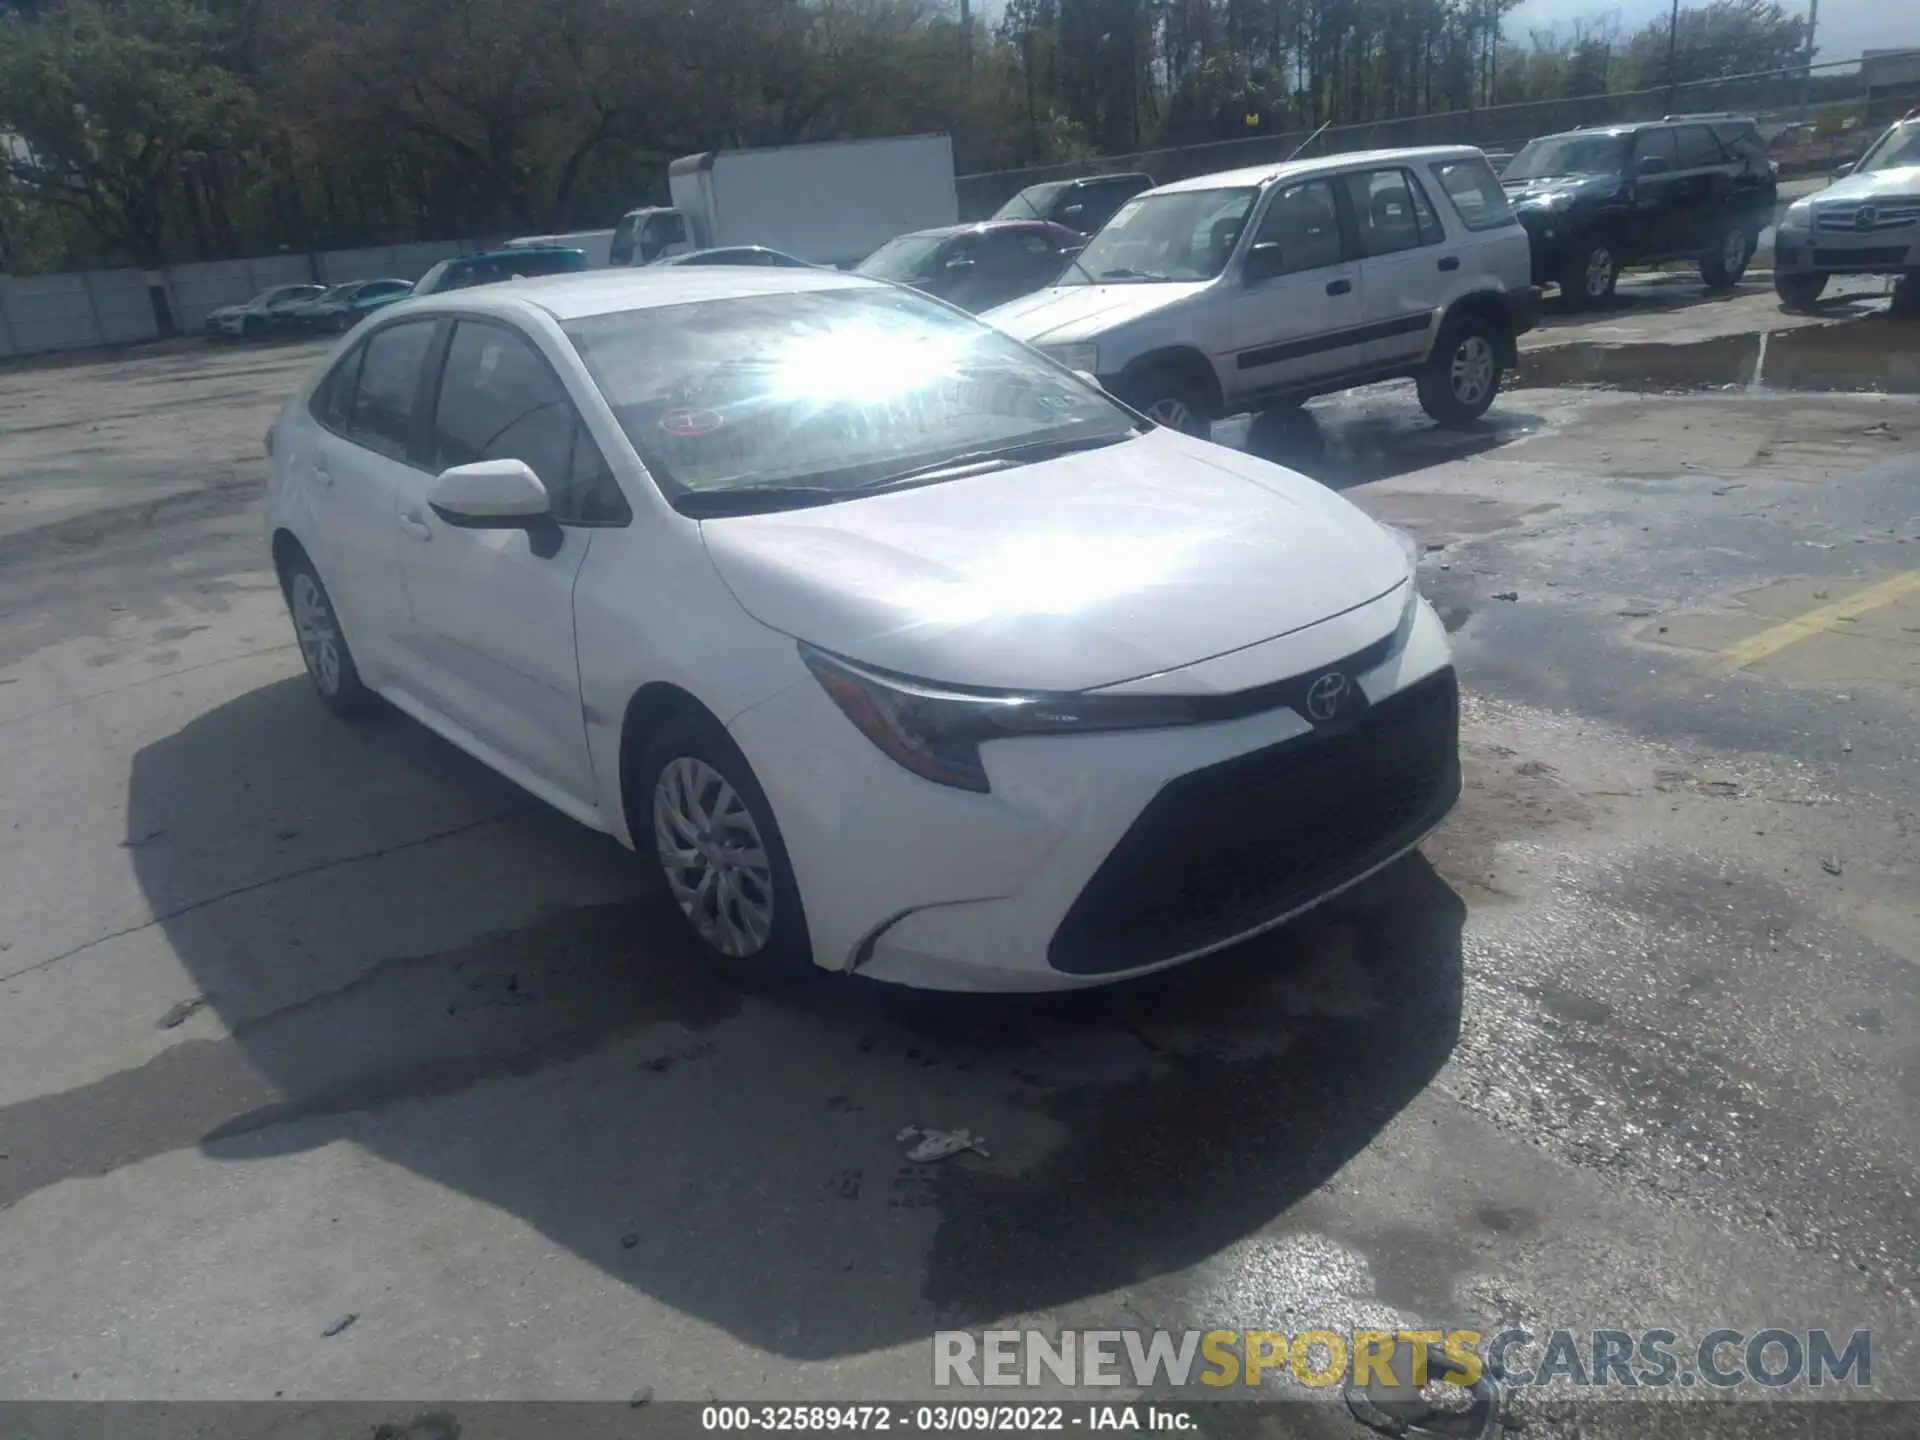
(1673, 42)
(966, 43)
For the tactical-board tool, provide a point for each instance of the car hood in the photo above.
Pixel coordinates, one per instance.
(1901, 180)
(1078, 572)
(1528, 194)
(226, 312)
(1064, 314)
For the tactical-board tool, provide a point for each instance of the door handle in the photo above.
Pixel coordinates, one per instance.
(411, 522)
(1339, 287)
(1450, 262)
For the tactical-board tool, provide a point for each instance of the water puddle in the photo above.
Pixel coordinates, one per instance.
(1880, 355)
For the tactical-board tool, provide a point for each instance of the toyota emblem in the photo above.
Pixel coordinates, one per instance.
(1866, 217)
(1327, 696)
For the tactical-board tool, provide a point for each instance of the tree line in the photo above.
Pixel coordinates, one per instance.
(151, 131)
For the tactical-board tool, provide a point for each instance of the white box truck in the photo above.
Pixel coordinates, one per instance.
(833, 203)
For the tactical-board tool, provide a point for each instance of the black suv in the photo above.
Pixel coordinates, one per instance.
(1689, 187)
(1084, 204)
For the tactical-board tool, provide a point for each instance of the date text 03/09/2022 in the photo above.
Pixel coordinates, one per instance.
(919, 1417)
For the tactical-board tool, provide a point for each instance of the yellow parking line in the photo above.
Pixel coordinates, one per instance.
(1776, 638)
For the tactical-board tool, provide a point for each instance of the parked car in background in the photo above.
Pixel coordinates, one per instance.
(597, 245)
(1865, 224)
(344, 306)
(976, 266)
(1082, 205)
(834, 603)
(1689, 187)
(1261, 287)
(489, 267)
(740, 255)
(267, 312)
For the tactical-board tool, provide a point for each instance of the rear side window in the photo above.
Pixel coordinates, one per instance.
(1386, 218)
(1743, 141)
(389, 381)
(332, 402)
(1474, 192)
(500, 400)
(1698, 148)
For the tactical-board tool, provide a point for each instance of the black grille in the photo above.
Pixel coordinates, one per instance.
(1866, 255)
(1223, 850)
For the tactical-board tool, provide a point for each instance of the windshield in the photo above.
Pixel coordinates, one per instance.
(835, 390)
(1031, 203)
(1599, 154)
(1177, 235)
(1899, 146)
(900, 259)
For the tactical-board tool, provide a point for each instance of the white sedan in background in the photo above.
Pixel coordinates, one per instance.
(895, 646)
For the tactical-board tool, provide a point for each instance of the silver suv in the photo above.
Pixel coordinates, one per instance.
(1263, 287)
(1867, 224)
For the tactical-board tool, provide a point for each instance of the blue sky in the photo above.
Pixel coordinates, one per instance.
(1843, 30)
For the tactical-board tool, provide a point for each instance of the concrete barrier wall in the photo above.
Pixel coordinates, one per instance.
(40, 314)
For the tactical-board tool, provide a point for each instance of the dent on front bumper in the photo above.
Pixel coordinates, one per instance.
(1049, 882)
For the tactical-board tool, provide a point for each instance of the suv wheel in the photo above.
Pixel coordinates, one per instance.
(1906, 296)
(1722, 269)
(1799, 292)
(720, 853)
(1591, 271)
(1169, 398)
(1463, 374)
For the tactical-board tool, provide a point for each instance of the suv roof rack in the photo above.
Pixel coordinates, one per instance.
(1705, 115)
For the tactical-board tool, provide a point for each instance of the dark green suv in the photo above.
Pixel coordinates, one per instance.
(1688, 187)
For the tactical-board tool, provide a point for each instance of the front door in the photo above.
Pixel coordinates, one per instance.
(1300, 321)
(1654, 221)
(491, 632)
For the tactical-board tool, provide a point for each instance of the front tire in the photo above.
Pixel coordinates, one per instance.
(720, 852)
(1722, 268)
(1172, 399)
(1589, 273)
(253, 328)
(1462, 375)
(1906, 297)
(1799, 292)
(323, 644)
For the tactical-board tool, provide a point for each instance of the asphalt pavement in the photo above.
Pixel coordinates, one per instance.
(302, 1019)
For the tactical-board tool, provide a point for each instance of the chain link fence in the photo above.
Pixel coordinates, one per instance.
(1813, 118)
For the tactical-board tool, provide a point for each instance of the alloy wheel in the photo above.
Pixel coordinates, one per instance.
(1472, 370)
(1599, 272)
(319, 637)
(1173, 413)
(715, 860)
(1733, 251)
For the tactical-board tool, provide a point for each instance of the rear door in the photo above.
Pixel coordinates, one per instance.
(491, 611)
(1304, 323)
(1705, 188)
(360, 462)
(1404, 262)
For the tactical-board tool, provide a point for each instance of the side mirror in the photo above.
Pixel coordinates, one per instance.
(1264, 261)
(1652, 165)
(1845, 167)
(1073, 213)
(1091, 379)
(490, 495)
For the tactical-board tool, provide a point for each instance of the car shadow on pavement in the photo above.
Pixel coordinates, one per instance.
(736, 1157)
(1375, 434)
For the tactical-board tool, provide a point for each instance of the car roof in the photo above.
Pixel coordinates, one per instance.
(979, 227)
(611, 292)
(1323, 164)
(520, 252)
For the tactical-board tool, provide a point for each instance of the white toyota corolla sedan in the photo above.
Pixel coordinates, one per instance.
(897, 647)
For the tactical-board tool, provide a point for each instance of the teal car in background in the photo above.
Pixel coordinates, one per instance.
(345, 306)
(490, 267)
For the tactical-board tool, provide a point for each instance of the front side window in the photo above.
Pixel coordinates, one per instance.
(500, 400)
(1899, 146)
(1557, 156)
(383, 400)
(1179, 235)
(1475, 195)
(1032, 203)
(1658, 146)
(805, 397)
(1385, 215)
(1303, 222)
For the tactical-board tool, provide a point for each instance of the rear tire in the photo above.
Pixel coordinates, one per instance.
(1462, 375)
(696, 807)
(323, 644)
(1172, 399)
(1721, 268)
(1589, 273)
(1799, 292)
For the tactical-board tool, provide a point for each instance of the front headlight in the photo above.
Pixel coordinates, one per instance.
(1076, 357)
(1800, 215)
(936, 730)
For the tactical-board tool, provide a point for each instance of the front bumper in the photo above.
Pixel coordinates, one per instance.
(1092, 859)
(1832, 252)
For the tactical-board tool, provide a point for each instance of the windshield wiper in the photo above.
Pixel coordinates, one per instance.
(1125, 274)
(755, 499)
(1027, 453)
